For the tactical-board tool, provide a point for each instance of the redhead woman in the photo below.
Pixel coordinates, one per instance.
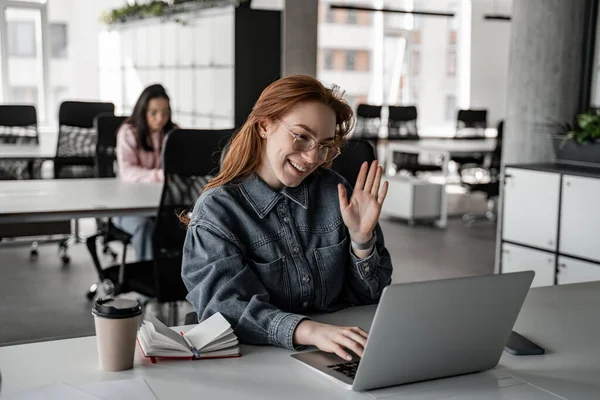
(277, 234)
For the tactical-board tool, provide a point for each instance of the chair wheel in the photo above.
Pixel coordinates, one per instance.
(65, 259)
(33, 255)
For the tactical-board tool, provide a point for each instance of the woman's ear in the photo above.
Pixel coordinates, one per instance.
(264, 125)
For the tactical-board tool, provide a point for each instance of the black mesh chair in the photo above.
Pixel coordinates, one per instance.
(368, 122)
(18, 125)
(76, 143)
(491, 189)
(354, 153)
(402, 125)
(476, 120)
(106, 126)
(189, 158)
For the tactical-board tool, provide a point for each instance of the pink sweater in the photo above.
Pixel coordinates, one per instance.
(137, 165)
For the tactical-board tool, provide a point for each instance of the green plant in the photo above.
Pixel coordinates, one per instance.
(586, 129)
(160, 8)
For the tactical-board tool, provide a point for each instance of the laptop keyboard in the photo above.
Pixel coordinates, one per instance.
(347, 368)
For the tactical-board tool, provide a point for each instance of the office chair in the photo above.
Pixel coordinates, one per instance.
(402, 125)
(353, 153)
(368, 122)
(491, 189)
(106, 126)
(75, 150)
(77, 138)
(18, 125)
(189, 158)
(477, 121)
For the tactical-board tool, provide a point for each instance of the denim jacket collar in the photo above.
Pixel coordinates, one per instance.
(263, 198)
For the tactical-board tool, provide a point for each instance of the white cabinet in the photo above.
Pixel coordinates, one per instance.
(580, 217)
(531, 200)
(575, 271)
(518, 258)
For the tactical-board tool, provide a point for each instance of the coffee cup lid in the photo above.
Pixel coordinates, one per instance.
(110, 307)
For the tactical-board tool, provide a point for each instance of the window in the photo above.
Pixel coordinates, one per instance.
(328, 59)
(21, 38)
(58, 40)
(451, 62)
(329, 14)
(452, 37)
(350, 60)
(352, 17)
(450, 107)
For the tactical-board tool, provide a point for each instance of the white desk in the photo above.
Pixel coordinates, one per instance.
(46, 150)
(447, 148)
(64, 199)
(564, 319)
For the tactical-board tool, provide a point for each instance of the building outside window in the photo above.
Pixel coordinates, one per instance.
(58, 40)
(350, 60)
(327, 59)
(352, 17)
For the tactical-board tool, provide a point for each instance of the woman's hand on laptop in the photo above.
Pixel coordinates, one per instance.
(331, 338)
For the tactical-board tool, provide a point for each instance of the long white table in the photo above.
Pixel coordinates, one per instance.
(563, 319)
(64, 199)
(45, 150)
(446, 148)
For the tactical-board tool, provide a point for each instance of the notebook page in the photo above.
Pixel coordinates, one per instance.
(208, 330)
(164, 330)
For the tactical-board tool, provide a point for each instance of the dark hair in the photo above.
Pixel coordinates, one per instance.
(138, 115)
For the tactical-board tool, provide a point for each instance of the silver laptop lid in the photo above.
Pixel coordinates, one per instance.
(433, 329)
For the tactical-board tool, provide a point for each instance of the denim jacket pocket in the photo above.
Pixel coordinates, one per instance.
(329, 260)
(274, 276)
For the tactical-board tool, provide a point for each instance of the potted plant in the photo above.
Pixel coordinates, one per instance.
(579, 143)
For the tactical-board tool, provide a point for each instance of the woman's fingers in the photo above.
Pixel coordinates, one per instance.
(343, 196)
(362, 176)
(361, 332)
(350, 344)
(383, 192)
(341, 352)
(371, 176)
(377, 181)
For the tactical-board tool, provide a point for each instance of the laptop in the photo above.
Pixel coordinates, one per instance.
(429, 330)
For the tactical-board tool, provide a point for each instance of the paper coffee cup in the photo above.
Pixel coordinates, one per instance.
(116, 322)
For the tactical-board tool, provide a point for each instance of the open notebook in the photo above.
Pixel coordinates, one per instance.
(212, 338)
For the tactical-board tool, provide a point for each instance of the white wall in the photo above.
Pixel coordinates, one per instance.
(490, 41)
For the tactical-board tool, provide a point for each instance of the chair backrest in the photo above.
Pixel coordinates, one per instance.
(476, 119)
(106, 126)
(189, 158)
(368, 121)
(402, 122)
(354, 153)
(497, 154)
(77, 137)
(18, 124)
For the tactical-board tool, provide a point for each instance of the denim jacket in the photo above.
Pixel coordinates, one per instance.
(263, 257)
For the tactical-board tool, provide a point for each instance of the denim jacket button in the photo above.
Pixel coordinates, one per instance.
(286, 219)
(305, 304)
(306, 279)
(367, 269)
(296, 249)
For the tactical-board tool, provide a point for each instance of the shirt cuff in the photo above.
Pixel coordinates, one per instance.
(283, 330)
(366, 267)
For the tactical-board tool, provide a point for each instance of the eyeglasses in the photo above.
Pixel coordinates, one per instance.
(305, 143)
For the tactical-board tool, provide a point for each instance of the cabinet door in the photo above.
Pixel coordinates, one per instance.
(530, 214)
(575, 271)
(518, 258)
(580, 217)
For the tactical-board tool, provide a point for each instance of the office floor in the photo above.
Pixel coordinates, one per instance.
(42, 300)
